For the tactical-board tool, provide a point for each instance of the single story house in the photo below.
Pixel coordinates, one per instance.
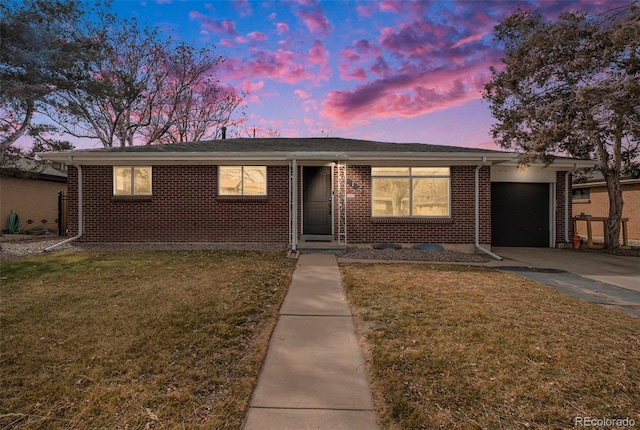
(302, 191)
(591, 198)
(30, 190)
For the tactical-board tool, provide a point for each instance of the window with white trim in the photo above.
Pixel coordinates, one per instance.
(242, 180)
(411, 191)
(132, 180)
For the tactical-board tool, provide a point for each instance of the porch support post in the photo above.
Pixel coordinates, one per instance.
(342, 202)
(293, 205)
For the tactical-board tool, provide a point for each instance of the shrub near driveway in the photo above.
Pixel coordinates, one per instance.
(135, 339)
(468, 347)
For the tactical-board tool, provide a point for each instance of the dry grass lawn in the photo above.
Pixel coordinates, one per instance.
(464, 348)
(135, 340)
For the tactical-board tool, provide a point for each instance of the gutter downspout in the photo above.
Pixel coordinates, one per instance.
(80, 215)
(477, 212)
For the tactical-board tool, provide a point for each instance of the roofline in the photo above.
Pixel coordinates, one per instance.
(629, 181)
(108, 158)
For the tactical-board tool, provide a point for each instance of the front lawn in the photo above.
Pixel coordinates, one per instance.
(135, 340)
(456, 347)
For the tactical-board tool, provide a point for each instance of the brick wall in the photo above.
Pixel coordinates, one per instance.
(598, 205)
(184, 207)
(560, 208)
(458, 229)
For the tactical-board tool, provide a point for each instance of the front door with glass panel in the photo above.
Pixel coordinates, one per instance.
(316, 200)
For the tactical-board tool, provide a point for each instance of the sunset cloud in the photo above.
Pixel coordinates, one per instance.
(406, 95)
(280, 65)
(257, 36)
(282, 28)
(314, 19)
(302, 94)
(252, 87)
(224, 26)
(371, 62)
(243, 7)
(469, 39)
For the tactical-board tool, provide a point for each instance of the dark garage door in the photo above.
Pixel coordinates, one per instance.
(519, 214)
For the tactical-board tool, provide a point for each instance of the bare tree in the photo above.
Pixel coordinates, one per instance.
(144, 90)
(193, 104)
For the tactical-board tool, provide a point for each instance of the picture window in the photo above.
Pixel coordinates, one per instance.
(411, 191)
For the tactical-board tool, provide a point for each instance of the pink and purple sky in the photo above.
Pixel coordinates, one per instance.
(396, 71)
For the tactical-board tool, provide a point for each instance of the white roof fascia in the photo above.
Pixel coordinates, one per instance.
(104, 158)
(110, 158)
(558, 164)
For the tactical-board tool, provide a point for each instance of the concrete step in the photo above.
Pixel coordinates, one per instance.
(321, 246)
(316, 238)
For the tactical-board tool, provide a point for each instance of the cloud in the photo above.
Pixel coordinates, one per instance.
(314, 19)
(224, 26)
(390, 6)
(302, 94)
(433, 59)
(469, 39)
(282, 28)
(366, 10)
(257, 36)
(415, 40)
(407, 94)
(280, 65)
(243, 7)
(362, 53)
(251, 87)
(349, 73)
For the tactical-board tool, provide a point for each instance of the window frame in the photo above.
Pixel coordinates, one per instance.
(584, 194)
(242, 177)
(410, 177)
(133, 179)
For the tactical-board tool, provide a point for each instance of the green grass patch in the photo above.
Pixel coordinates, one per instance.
(465, 347)
(135, 339)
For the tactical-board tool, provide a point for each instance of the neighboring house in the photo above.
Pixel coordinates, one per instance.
(592, 198)
(303, 191)
(30, 189)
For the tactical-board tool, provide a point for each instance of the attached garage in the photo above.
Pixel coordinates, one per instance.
(529, 207)
(520, 214)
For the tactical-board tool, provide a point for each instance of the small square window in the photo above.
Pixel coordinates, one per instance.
(242, 180)
(132, 181)
(581, 193)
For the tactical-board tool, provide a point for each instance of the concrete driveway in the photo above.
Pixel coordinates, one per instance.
(596, 277)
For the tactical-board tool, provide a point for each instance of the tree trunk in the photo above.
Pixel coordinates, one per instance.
(610, 166)
(19, 132)
(612, 227)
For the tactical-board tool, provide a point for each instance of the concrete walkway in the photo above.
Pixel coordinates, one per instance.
(314, 376)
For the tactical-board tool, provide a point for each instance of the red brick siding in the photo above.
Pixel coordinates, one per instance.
(560, 205)
(184, 207)
(459, 229)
